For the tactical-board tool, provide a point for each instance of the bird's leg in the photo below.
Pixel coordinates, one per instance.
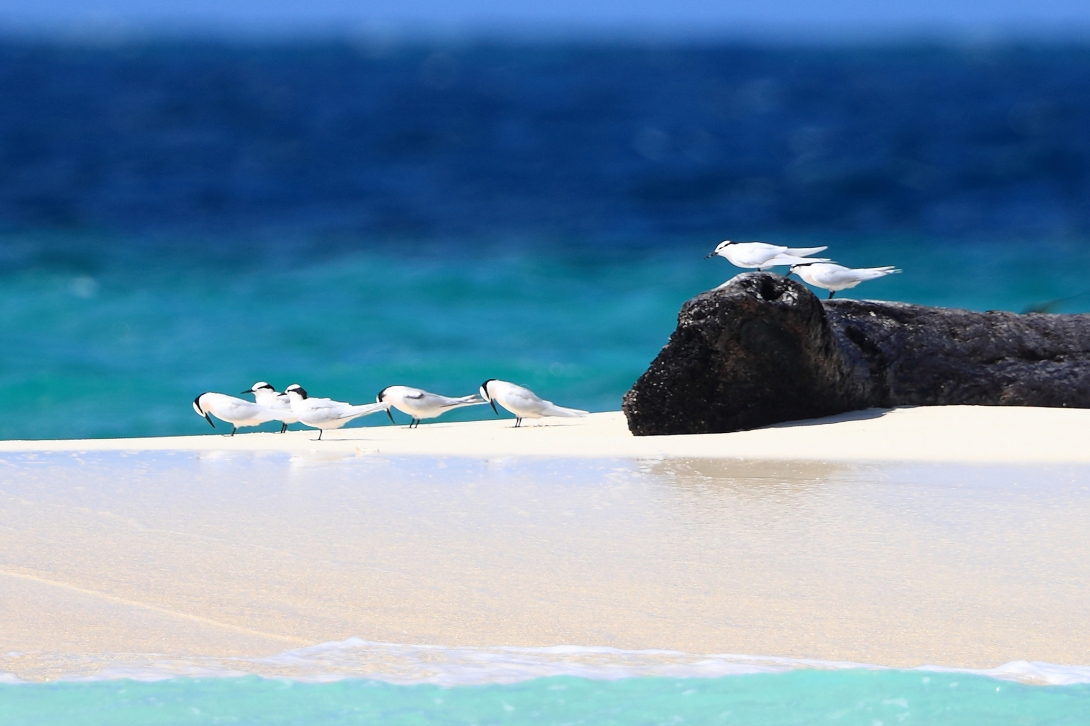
(518, 421)
(283, 428)
(233, 429)
(831, 293)
(320, 432)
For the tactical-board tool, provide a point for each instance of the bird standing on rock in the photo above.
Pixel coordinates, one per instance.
(760, 255)
(522, 402)
(834, 278)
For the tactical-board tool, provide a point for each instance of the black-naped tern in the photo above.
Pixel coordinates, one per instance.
(522, 402)
(324, 413)
(235, 411)
(834, 278)
(418, 404)
(267, 396)
(760, 255)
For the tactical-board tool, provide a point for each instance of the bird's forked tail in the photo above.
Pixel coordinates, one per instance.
(554, 410)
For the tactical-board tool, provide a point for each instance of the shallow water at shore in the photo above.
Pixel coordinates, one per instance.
(798, 697)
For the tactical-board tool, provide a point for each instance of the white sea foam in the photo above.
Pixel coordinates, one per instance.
(458, 666)
(1048, 674)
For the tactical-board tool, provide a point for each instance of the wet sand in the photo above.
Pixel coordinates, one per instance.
(104, 555)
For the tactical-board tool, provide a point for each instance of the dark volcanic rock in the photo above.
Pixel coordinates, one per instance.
(763, 349)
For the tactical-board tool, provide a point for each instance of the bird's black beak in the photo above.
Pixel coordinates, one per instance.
(391, 415)
(709, 255)
(209, 420)
(241, 393)
(493, 405)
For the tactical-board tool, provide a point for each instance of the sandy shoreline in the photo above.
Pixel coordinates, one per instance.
(970, 434)
(207, 553)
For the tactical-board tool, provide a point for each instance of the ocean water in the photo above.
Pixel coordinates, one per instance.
(121, 349)
(559, 686)
(177, 217)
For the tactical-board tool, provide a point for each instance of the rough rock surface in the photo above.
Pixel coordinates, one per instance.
(763, 349)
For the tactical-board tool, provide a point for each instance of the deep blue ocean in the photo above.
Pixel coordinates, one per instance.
(177, 217)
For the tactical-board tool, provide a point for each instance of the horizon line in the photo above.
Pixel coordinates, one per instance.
(861, 34)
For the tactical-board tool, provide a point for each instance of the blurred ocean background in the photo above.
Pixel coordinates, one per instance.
(178, 216)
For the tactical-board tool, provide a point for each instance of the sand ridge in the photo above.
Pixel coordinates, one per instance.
(967, 434)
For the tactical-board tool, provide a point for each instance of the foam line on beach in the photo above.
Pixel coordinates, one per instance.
(467, 666)
(968, 434)
(149, 607)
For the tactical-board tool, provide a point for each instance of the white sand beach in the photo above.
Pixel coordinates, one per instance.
(981, 434)
(950, 536)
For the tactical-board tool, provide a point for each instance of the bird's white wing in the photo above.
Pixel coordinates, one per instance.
(323, 404)
(756, 254)
(870, 273)
(321, 409)
(804, 251)
(762, 248)
(280, 401)
(239, 410)
(785, 259)
(551, 409)
(523, 397)
(449, 402)
(236, 409)
(846, 276)
(834, 275)
(363, 410)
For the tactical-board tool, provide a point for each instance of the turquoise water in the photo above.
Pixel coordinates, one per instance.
(104, 338)
(850, 697)
(178, 216)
